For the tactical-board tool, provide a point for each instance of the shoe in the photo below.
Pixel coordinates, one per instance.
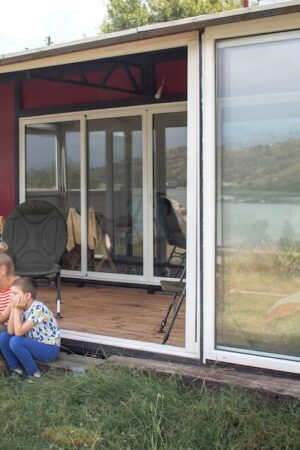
(16, 373)
(32, 378)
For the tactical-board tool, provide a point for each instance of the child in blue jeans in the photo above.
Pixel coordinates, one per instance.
(32, 331)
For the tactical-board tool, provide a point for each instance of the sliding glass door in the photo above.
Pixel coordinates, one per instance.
(169, 193)
(115, 194)
(53, 173)
(258, 196)
(121, 182)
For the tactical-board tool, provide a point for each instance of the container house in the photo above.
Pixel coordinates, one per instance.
(196, 119)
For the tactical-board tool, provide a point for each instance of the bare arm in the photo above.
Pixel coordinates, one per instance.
(5, 315)
(20, 328)
(10, 324)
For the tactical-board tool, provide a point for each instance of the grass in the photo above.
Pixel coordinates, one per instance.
(121, 409)
(249, 284)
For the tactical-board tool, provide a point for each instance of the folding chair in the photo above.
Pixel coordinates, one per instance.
(36, 235)
(178, 289)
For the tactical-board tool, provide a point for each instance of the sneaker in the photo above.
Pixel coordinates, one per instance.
(34, 377)
(17, 373)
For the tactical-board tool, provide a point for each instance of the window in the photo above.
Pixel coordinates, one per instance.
(41, 158)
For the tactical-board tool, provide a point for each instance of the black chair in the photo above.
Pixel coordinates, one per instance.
(178, 290)
(171, 229)
(36, 235)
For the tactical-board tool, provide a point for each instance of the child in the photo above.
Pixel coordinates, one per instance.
(7, 277)
(32, 331)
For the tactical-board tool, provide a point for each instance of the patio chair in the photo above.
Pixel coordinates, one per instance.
(36, 235)
(172, 225)
(178, 289)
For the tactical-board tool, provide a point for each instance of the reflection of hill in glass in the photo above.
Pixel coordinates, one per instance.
(175, 171)
(41, 178)
(266, 170)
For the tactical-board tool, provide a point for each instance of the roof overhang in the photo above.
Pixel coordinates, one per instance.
(10, 62)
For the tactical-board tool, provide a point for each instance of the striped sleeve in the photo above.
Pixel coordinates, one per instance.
(4, 300)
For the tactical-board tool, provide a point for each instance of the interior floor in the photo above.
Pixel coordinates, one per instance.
(115, 311)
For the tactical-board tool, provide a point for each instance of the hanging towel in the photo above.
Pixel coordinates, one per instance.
(74, 229)
(96, 236)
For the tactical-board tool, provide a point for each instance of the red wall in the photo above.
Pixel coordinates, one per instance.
(7, 148)
(39, 93)
(43, 94)
(175, 74)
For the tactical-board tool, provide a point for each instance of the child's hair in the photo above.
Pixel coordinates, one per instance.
(26, 284)
(6, 261)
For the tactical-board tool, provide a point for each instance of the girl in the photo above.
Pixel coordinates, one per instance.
(7, 277)
(32, 331)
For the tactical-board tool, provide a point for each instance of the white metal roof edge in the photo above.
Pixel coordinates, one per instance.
(206, 20)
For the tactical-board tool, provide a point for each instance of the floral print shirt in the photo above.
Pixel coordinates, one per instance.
(45, 328)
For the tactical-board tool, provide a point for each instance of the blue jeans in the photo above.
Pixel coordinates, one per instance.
(20, 350)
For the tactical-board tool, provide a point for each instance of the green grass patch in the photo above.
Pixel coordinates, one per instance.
(121, 409)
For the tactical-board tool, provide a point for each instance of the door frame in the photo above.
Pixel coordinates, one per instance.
(193, 292)
(256, 31)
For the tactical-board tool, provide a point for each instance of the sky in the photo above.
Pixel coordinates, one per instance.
(26, 24)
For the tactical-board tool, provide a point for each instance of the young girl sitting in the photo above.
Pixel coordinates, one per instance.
(7, 277)
(32, 331)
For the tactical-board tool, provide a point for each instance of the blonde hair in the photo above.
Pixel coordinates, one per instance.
(6, 261)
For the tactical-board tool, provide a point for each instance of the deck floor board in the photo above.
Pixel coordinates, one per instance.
(117, 312)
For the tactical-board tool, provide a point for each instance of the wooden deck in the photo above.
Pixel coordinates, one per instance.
(118, 312)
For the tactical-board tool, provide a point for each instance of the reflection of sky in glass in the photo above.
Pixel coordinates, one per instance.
(72, 139)
(97, 143)
(239, 135)
(41, 143)
(40, 151)
(119, 126)
(258, 93)
(97, 149)
(272, 67)
(176, 137)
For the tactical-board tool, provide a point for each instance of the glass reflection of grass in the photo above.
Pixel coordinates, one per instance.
(248, 285)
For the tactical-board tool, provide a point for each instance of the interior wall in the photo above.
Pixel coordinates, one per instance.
(7, 148)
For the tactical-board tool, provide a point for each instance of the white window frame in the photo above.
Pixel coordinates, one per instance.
(262, 30)
(192, 335)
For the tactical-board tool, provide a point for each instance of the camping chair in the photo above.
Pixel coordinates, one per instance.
(173, 227)
(178, 289)
(36, 235)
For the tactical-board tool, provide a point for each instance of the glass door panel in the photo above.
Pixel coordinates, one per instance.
(52, 169)
(115, 195)
(258, 198)
(169, 192)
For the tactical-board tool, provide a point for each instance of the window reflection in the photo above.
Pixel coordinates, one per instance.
(115, 194)
(52, 155)
(41, 161)
(170, 153)
(258, 197)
